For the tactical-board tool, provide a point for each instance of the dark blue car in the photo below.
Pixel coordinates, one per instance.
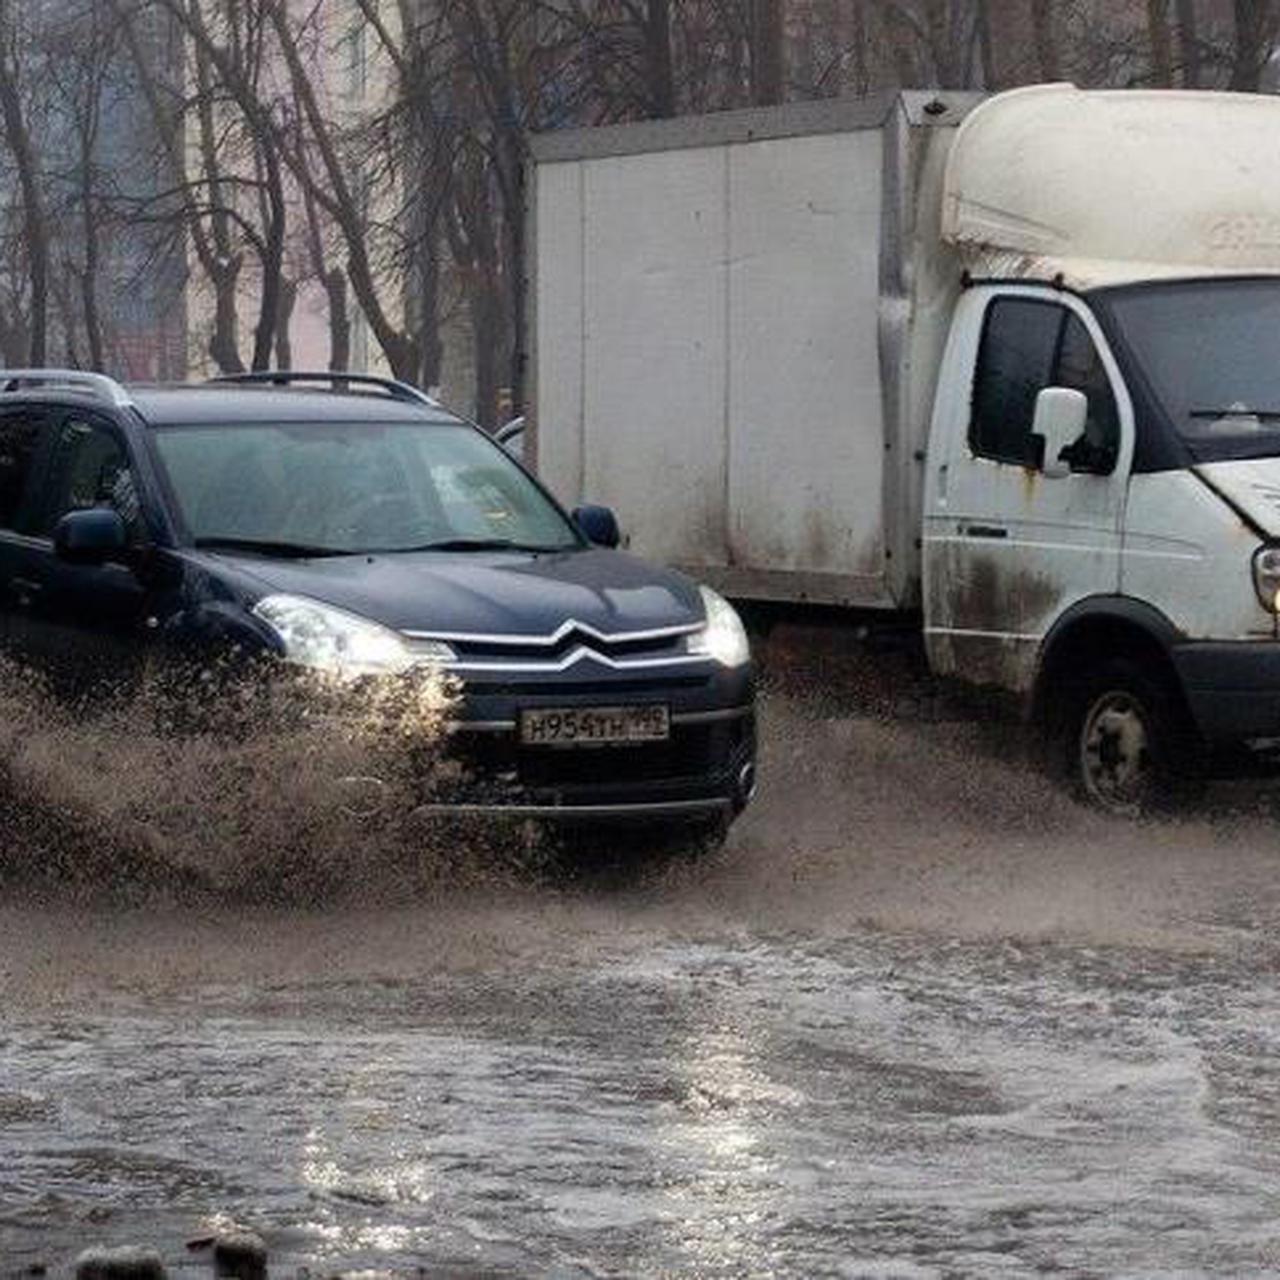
(351, 524)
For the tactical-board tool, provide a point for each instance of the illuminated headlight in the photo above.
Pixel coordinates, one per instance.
(723, 638)
(318, 635)
(1266, 577)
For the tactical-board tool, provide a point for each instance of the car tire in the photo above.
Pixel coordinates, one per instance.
(1129, 744)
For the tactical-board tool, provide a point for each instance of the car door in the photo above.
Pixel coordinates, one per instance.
(86, 625)
(1007, 548)
(23, 436)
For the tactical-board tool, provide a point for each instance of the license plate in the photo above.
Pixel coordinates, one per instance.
(594, 726)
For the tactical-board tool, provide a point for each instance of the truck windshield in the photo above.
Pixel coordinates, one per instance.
(332, 488)
(1210, 350)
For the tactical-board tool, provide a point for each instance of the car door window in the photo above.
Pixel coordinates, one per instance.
(1027, 345)
(89, 468)
(19, 450)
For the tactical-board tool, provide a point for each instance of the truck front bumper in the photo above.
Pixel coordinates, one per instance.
(1232, 689)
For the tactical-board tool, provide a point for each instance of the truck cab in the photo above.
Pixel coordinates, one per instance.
(1102, 490)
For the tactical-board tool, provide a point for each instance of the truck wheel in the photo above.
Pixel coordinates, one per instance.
(1127, 740)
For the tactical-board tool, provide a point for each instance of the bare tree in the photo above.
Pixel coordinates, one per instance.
(1255, 34)
(18, 139)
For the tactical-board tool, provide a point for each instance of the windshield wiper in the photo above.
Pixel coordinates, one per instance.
(266, 547)
(478, 544)
(1234, 411)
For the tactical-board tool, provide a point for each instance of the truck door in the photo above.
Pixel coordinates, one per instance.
(1008, 549)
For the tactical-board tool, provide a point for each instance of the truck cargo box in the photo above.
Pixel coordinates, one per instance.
(736, 322)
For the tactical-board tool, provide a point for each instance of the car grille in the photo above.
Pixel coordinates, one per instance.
(498, 649)
(562, 689)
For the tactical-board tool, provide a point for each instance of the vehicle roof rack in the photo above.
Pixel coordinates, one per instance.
(96, 384)
(337, 380)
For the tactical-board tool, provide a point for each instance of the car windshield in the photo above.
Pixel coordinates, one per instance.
(347, 488)
(1210, 350)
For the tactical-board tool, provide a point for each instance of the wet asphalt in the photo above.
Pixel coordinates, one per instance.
(923, 1015)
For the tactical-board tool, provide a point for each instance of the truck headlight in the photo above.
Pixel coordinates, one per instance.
(318, 635)
(1266, 577)
(723, 638)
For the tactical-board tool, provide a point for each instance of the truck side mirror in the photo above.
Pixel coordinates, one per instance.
(1059, 421)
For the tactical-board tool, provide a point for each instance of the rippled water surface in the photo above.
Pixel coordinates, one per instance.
(922, 1016)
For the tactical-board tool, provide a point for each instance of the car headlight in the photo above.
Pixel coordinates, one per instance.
(723, 638)
(318, 635)
(1266, 577)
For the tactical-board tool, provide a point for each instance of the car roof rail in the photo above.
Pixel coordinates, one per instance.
(96, 384)
(336, 379)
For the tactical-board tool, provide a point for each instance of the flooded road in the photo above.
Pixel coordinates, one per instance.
(922, 1016)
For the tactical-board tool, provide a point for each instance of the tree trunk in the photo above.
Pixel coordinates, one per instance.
(657, 47)
(287, 297)
(486, 325)
(1188, 44)
(766, 44)
(986, 50)
(35, 229)
(1043, 36)
(273, 283)
(335, 286)
(1252, 43)
(224, 345)
(89, 278)
(430, 345)
(1161, 43)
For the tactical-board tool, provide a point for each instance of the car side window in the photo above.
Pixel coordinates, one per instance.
(90, 468)
(19, 449)
(1027, 345)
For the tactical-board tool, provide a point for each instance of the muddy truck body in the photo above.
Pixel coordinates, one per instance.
(1008, 366)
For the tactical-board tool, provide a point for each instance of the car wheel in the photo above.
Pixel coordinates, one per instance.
(1128, 741)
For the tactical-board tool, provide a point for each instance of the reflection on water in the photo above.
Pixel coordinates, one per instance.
(714, 1108)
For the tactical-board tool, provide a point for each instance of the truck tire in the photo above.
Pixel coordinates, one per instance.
(1128, 741)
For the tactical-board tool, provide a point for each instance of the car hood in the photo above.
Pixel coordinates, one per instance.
(483, 593)
(1251, 485)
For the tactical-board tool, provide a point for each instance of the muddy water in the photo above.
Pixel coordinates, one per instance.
(922, 1016)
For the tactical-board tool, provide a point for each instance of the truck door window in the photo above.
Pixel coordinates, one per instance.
(19, 445)
(90, 468)
(1080, 367)
(1027, 345)
(1015, 361)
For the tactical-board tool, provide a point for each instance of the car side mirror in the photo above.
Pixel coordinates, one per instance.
(90, 537)
(1059, 421)
(598, 524)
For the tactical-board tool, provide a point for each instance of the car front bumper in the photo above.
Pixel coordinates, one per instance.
(705, 770)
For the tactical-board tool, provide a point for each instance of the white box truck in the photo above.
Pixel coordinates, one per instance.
(1011, 365)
